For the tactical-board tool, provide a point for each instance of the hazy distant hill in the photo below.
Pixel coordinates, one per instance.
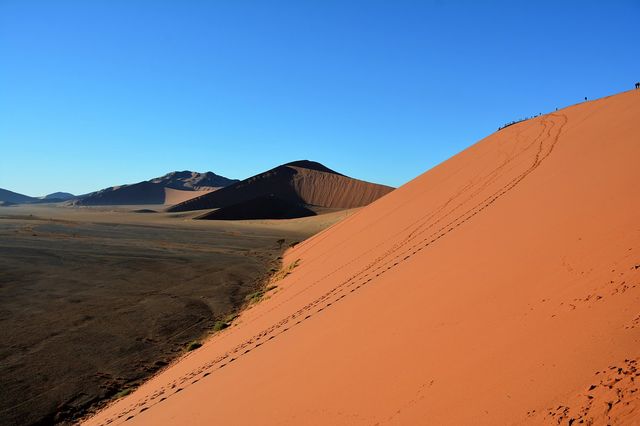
(14, 197)
(159, 190)
(59, 196)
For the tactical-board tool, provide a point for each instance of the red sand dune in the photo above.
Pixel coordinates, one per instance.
(300, 182)
(500, 287)
(175, 196)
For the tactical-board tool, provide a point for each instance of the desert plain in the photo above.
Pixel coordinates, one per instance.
(95, 300)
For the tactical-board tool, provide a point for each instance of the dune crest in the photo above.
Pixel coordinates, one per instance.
(499, 287)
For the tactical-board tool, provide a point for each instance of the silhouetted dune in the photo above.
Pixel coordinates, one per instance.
(260, 208)
(299, 182)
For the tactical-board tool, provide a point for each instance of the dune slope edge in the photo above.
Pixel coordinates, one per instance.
(499, 287)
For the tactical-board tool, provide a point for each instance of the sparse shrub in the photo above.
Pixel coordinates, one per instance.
(220, 325)
(294, 264)
(285, 271)
(256, 296)
(193, 345)
(123, 393)
(224, 323)
(229, 318)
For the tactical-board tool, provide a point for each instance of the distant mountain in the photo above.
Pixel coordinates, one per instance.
(194, 181)
(59, 196)
(14, 197)
(162, 190)
(301, 183)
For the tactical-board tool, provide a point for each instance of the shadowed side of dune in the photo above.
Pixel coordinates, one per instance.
(300, 182)
(139, 193)
(273, 182)
(260, 208)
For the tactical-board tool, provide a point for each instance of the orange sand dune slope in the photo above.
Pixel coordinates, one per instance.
(500, 287)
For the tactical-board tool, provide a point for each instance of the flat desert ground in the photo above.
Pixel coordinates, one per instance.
(500, 287)
(95, 300)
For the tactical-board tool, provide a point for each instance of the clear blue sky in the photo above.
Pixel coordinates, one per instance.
(99, 93)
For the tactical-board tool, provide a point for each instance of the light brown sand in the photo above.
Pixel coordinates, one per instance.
(175, 196)
(500, 287)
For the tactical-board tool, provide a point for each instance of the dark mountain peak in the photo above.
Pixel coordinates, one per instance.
(59, 196)
(14, 197)
(153, 191)
(311, 165)
(176, 174)
(187, 179)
